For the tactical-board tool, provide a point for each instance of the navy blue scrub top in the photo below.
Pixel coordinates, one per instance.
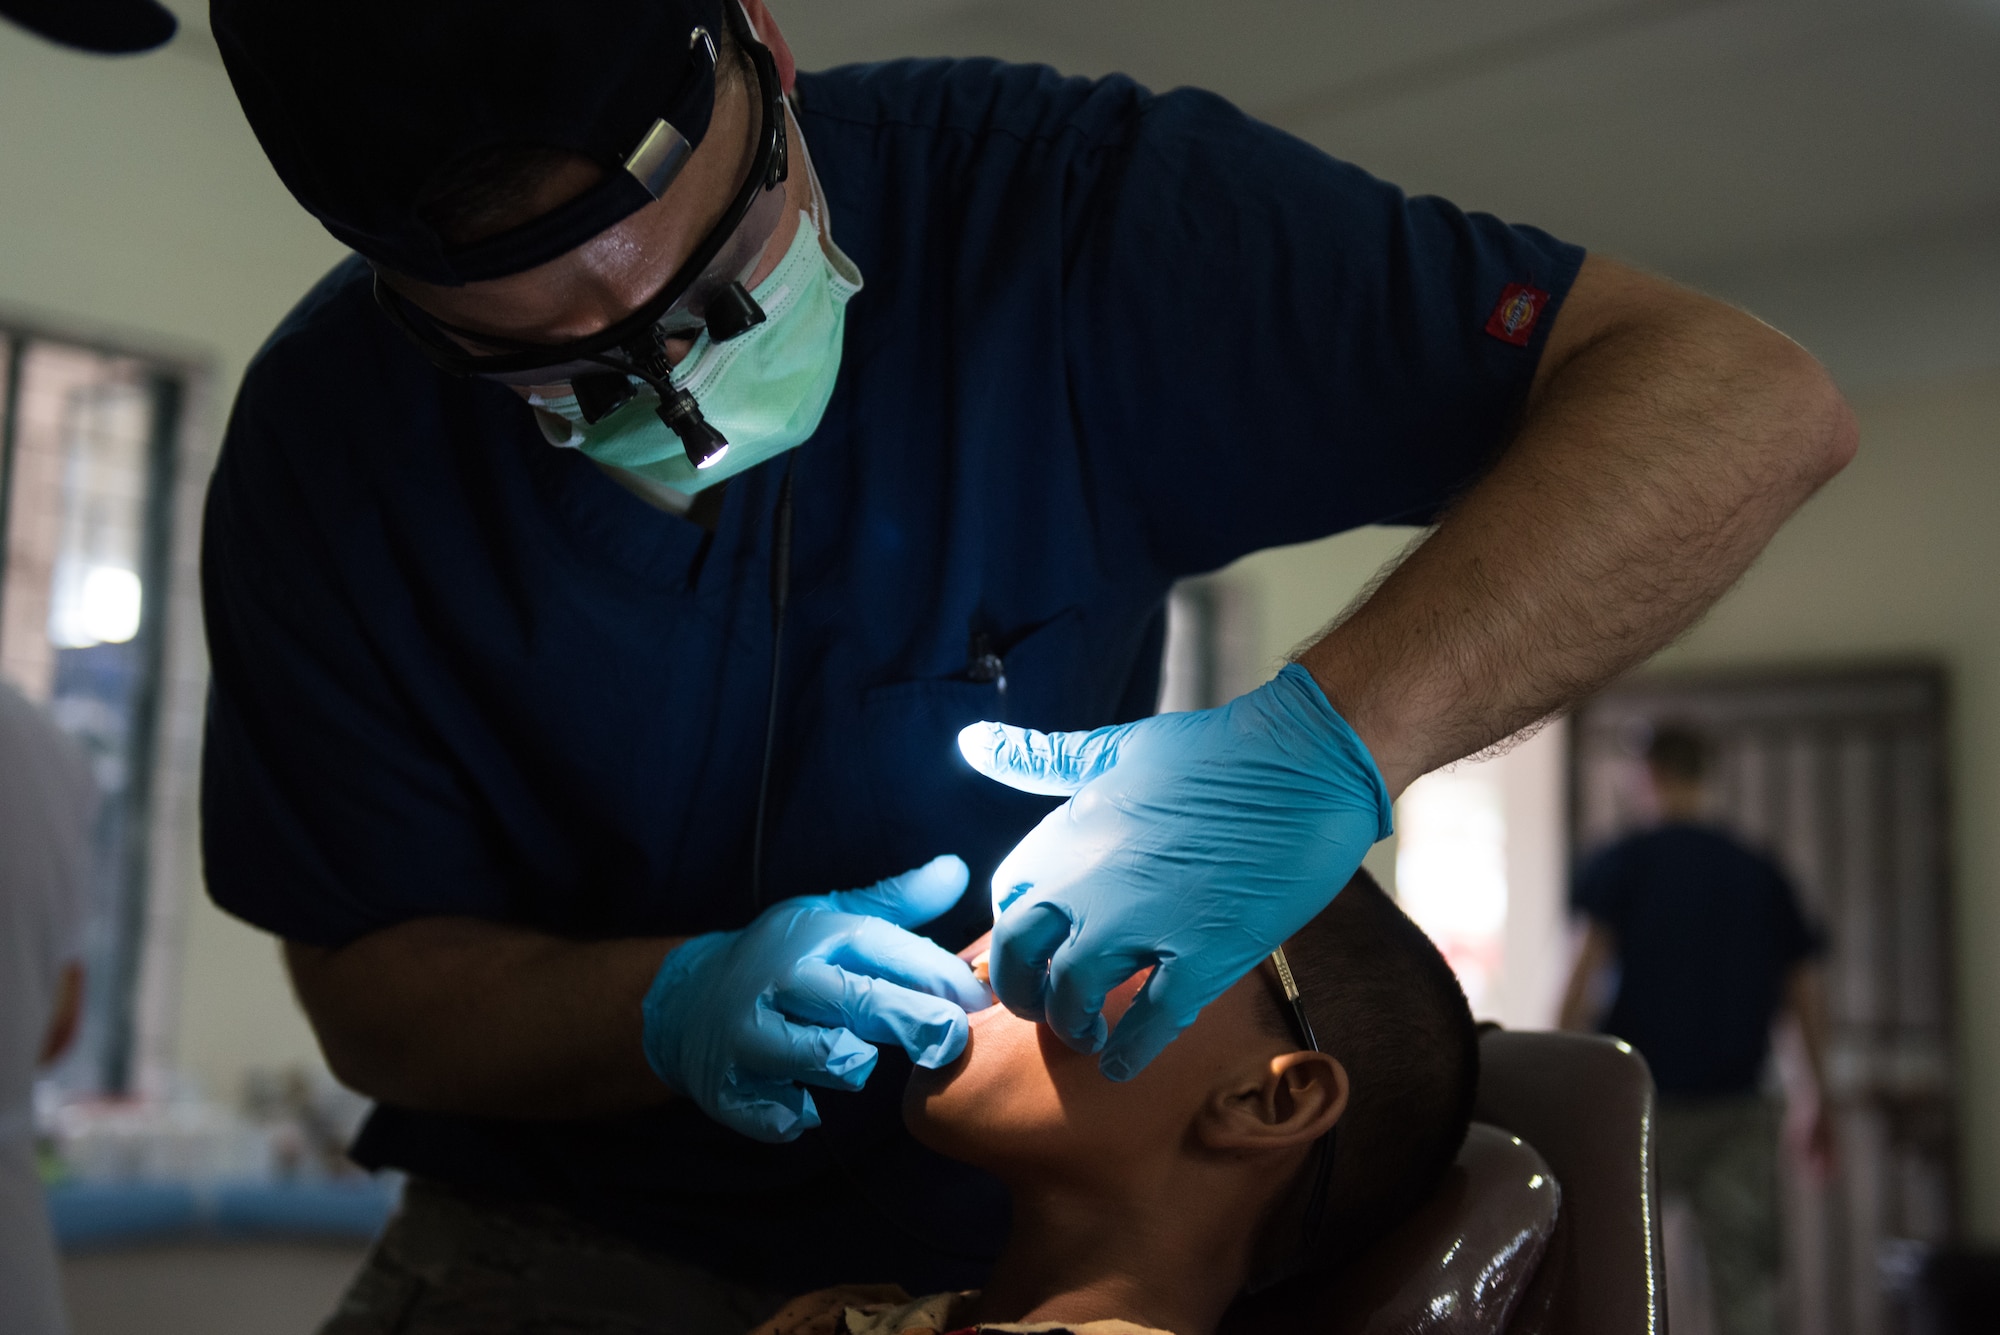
(1707, 930)
(1108, 339)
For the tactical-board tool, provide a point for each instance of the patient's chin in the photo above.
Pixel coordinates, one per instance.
(952, 1108)
(929, 1108)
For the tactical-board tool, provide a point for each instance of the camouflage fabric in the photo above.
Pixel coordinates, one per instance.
(887, 1310)
(452, 1263)
(1722, 1154)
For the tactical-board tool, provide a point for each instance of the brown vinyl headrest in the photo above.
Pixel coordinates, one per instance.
(1458, 1266)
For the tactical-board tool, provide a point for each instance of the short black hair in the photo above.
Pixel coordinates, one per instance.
(1385, 1004)
(482, 194)
(1677, 751)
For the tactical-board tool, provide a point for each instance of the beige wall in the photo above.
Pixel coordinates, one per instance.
(135, 208)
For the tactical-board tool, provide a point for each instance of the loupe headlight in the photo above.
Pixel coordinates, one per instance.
(706, 293)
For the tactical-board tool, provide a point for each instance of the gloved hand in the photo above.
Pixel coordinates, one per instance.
(741, 1021)
(1195, 842)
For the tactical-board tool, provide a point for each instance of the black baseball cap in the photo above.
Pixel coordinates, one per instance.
(361, 104)
(108, 27)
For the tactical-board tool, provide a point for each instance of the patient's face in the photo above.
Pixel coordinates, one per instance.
(1020, 1103)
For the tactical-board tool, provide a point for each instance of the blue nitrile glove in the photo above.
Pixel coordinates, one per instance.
(1194, 842)
(741, 1021)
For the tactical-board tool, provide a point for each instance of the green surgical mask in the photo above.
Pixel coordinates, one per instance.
(765, 390)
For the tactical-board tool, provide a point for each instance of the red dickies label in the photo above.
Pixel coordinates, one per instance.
(1514, 316)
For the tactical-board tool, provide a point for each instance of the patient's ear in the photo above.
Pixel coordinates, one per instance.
(1294, 1098)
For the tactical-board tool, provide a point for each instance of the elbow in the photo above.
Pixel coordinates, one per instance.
(1835, 435)
(353, 1048)
(357, 1061)
(354, 1065)
(1820, 432)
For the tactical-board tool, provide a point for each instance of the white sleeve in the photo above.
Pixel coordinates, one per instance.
(47, 799)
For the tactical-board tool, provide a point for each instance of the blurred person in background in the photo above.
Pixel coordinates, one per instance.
(46, 802)
(1710, 947)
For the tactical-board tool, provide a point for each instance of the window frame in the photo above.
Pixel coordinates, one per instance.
(168, 379)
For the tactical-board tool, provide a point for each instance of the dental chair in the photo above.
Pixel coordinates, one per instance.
(1547, 1224)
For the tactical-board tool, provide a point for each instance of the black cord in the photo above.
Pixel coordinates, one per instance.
(781, 578)
(781, 582)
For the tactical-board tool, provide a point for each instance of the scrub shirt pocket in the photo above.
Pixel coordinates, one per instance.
(928, 800)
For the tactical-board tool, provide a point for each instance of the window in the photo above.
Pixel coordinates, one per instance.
(86, 459)
(1451, 872)
(1478, 863)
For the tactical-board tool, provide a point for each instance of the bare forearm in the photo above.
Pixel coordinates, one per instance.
(1805, 998)
(1652, 465)
(459, 1015)
(1577, 1013)
(1579, 1008)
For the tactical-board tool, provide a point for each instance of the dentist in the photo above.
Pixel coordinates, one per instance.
(609, 565)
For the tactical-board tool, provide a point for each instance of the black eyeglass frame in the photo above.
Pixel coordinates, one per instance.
(1314, 1219)
(636, 345)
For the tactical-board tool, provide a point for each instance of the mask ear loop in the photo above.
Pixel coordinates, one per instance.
(822, 214)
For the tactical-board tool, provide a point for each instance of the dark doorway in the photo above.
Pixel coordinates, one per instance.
(1839, 775)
